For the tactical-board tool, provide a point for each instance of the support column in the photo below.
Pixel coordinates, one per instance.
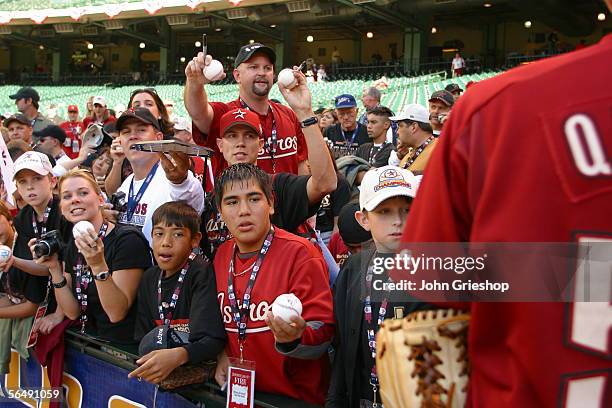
(357, 50)
(414, 48)
(163, 63)
(55, 66)
(286, 56)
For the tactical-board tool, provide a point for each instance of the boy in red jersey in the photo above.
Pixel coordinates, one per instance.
(260, 263)
(558, 155)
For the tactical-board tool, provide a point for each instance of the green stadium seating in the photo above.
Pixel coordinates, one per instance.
(401, 91)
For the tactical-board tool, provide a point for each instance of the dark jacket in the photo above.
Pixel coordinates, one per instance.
(334, 133)
(348, 310)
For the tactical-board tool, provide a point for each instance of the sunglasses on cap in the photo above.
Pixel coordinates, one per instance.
(144, 90)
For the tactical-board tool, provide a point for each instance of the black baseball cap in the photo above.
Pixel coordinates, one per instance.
(247, 51)
(444, 96)
(25, 93)
(53, 131)
(141, 114)
(18, 117)
(351, 232)
(160, 338)
(453, 88)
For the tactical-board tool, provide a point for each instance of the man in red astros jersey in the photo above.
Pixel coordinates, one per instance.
(252, 269)
(284, 147)
(509, 168)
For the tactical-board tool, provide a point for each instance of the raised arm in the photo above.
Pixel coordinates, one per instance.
(195, 96)
(323, 178)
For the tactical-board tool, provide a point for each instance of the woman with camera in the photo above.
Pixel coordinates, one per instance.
(96, 277)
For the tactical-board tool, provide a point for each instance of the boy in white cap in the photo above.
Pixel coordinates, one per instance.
(385, 197)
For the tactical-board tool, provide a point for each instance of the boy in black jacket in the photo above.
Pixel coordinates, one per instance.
(180, 292)
(385, 198)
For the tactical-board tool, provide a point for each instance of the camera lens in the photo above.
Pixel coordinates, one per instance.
(41, 249)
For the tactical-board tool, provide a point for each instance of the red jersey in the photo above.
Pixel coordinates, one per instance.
(338, 249)
(72, 144)
(291, 145)
(292, 265)
(88, 121)
(200, 171)
(525, 157)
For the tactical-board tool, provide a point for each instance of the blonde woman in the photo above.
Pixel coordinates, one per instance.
(97, 278)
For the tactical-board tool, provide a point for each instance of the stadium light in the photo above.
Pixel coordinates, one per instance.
(601, 17)
(90, 46)
(370, 34)
(527, 24)
(272, 25)
(310, 38)
(251, 41)
(198, 44)
(434, 30)
(487, 5)
(41, 47)
(142, 45)
(218, 29)
(183, 59)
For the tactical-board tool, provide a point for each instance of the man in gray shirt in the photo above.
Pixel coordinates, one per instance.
(27, 100)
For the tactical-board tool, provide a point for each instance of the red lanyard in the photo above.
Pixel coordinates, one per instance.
(166, 317)
(83, 279)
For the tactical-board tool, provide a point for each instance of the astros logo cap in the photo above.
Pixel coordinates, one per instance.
(240, 116)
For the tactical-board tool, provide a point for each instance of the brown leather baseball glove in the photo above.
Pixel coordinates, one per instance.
(422, 360)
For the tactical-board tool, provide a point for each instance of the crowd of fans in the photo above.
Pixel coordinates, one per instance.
(289, 197)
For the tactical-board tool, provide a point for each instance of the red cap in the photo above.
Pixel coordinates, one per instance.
(73, 108)
(240, 117)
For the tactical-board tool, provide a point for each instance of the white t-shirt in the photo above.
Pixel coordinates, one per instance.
(160, 191)
(59, 170)
(458, 63)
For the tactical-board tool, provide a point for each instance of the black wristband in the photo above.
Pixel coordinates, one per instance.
(309, 122)
(60, 284)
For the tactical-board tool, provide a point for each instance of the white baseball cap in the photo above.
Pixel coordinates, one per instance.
(183, 124)
(386, 182)
(100, 100)
(35, 161)
(414, 112)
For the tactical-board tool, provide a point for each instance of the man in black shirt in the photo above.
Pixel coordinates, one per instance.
(347, 133)
(378, 150)
(296, 198)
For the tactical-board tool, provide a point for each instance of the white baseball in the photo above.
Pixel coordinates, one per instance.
(286, 306)
(82, 228)
(214, 70)
(5, 253)
(286, 78)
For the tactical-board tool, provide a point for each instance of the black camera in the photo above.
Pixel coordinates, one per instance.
(119, 202)
(48, 244)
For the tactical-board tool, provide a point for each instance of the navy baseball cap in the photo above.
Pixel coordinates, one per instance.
(160, 338)
(26, 93)
(345, 101)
